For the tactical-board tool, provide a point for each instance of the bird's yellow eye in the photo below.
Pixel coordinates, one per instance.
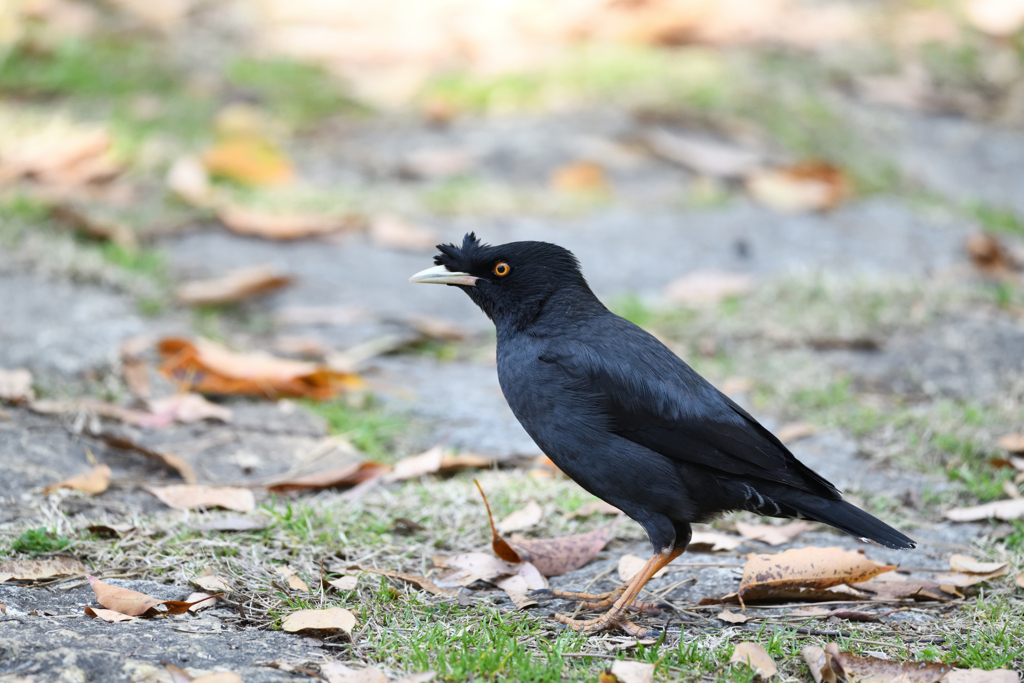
(501, 269)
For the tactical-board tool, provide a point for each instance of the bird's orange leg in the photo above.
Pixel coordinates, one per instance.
(614, 616)
(602, 601)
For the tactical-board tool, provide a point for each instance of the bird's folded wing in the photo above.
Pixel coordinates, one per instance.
(654, 399)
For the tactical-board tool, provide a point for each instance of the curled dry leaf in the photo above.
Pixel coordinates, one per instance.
(208, 367)
(630, 565)
(806, 186)
(732, 617)
(398, 233)
(632, 672)
(236, 285)
(771, 534)
(93, 482)
(289, 575)
(331, 619)
(285, 226)
(712, 541)
(754, 656)
(108, 615)
(336, 672)
(344, 476)
(707, 287)
(16, 385)
(524, 518)
(195, 497)
(1005, 510)
(37, 570)
(415, 579)
(1010, 442)
(818, 663)
(134, 603)
(595, 507)
(580, 176)
(771, 576)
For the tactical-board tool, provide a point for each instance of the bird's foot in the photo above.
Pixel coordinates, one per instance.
(602, 601)
(607, 622)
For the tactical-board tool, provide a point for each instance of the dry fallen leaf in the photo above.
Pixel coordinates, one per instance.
(1019, 580)
(414, 466)
(818, 663)
(186, 408)
(754, 656)
(967, 571)
(467, 568)
(731, 617)
(556, 556)
(712, 541)
(632, 672)
(248, 160)
(806, 186)
(16, 385)
(421, 581)
(208, 367)
(771, 534)
(134, 603)
(630, 565)
(107, 614)
(213, 582)
(915, 589)
(1001, 509)
(345, 583)
(289, 575)
(201, 601)
(336, 672)
(235, 285)
(1000, 18)
(519, 585)
(524, 518)
(37, 570)
(330, 619)
(344, 476)
(285, 226)
(848, 667)
(398, 233)
(194, 497)
(188, 178)
(794, 431)
(775, 576)
(93, 482)
(988, 254)
(579, 176)
(595, 507)
(707, 287)
(966, 563)
(1010, 442)
(703, 155)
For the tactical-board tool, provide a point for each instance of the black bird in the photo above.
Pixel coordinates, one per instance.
(626, 418)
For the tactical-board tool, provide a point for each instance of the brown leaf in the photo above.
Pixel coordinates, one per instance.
(421, 581)
(966, 563)
(595, 507)
(213, 582)
(1001, 509)
(519, 585)
(732, 617)
(194, 497)
(1010, 442)
(501, 547)
(916, 589)
(707, 287)
(208, 367)
(248, 160)
(185, 409)
(818, 663)
(136, 375)
(16, 386)
(988, 254)
(201, 601)
(1000, 18)
(962, 580)
(806, 186)
(556, 556)
(754, 656)
(632, 672)
(106, 614)
(794, 594)
(712, 541)
(427, 462)
(579, 176)
(285, 226)
(330, 619)
(794, 431)
(344, 476)
(764, 576)
(336, 672)
(703, 155)
(93, 482)
(849, 667)
(771, 534)
(630, 565)
(345, 583)
(37, 570)
(398, 233)
(1019, 580)
(289, 575)
(467, 568)
(111, 530)
(132, 602)
(235, 285)
(521, 519)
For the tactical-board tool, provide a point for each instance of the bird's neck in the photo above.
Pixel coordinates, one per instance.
(551, 315)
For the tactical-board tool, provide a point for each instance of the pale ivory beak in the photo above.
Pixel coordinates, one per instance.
(439, 275)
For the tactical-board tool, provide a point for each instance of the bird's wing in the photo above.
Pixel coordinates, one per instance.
(654, 399)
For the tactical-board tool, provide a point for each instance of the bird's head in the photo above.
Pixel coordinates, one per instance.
(510, 282)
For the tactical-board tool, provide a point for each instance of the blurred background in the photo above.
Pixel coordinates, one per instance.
(819, 204)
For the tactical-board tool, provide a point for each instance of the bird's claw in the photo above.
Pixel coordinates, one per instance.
(602, 601)
(606, 622)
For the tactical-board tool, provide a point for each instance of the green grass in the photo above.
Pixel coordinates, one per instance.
(34, 542)
(996, 219)
(368, 427)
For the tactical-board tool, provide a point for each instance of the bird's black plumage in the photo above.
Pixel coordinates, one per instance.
(625, 417)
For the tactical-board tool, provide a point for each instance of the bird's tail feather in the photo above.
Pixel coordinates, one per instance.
(851, 519)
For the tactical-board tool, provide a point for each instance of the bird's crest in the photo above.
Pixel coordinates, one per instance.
(457, 258)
